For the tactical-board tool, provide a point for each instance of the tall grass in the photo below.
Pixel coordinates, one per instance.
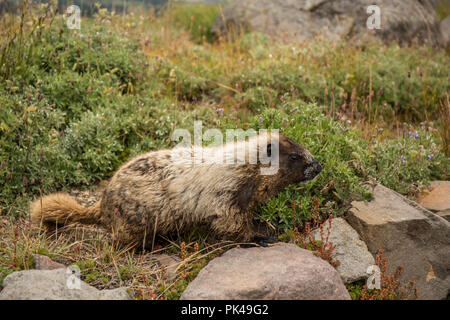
(442, 9)
(195, 18)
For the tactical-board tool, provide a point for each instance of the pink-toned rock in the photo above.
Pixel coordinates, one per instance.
(45, 263)
(411, 237)
(438, 199)
(283, 271)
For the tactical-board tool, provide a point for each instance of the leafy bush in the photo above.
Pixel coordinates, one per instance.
(78, 104)
(196, 18)
(442, 9)
(385, 81)
(348, 160)
(68, 118)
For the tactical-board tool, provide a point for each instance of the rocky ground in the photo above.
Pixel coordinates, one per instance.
(413, 236)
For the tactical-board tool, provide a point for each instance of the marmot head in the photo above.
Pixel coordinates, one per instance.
(295, 165)
(296, 162)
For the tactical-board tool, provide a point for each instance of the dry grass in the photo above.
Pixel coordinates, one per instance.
(106, 264)
(444, 129)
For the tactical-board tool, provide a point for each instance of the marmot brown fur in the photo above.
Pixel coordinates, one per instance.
(152, 194)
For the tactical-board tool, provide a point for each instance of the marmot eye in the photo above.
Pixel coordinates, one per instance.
(294, 157)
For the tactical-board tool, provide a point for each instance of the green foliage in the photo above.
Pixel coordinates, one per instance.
(442, 9)
(76, 105)
(355, 289)
(407, 163)
(70, 117)
(196, 18)
(4, 272)
(348, 160)
(181, 285)
(386, 81)
(338, 149)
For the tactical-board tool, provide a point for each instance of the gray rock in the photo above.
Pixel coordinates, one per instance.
(411, 237)
(283, 271)
(302, 20)
(350, 250)
(445, 30)
(52, 285)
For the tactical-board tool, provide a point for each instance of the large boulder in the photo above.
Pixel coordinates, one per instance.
(283, 271)
(438, 198)
(445, 29)
(351, 252)
(53, 285)
(411, 237)
(302, 20)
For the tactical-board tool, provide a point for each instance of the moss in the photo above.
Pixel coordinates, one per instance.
(125, 273)
(194, 268)
(355, 288)
(91, 276)
(4, 272)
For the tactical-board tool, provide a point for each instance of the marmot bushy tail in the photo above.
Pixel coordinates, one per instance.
(60, 209)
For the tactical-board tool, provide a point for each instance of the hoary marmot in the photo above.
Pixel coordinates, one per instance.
(157, 193)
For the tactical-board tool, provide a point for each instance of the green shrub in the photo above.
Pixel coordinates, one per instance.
(196, 18)
(69, 117)
(406, 83)
(77, 105)
(338, 150)
(442, 9)
(348, 160)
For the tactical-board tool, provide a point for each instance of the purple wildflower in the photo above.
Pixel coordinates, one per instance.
(402, 159)
(410, 133)
(416, 135)
(261, 120)
(430, 156)
(220, 111)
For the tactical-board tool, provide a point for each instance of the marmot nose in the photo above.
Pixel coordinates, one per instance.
(312, 170)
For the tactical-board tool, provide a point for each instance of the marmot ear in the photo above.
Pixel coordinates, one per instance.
(269, 150)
